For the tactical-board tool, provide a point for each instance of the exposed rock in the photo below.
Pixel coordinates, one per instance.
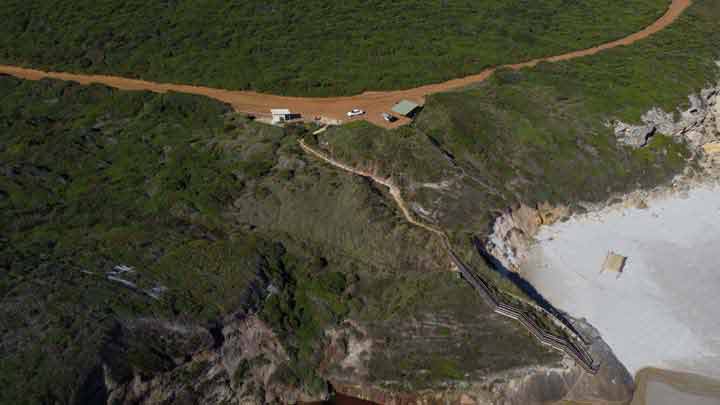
(514, 230)
(699, 126)
(635, 136)
(696, 124)
(348, 352)
(238, 369)
(523, 386)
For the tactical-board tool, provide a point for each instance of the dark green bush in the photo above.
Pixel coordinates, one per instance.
(313, 47)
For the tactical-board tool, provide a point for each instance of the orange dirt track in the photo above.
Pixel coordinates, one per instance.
(373, 102)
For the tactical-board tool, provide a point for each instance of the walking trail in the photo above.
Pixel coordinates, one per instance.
(566, 345)
(373, 102)
(387, 182)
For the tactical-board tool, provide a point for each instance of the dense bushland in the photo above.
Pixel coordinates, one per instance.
(542, 134)
(315, 47)
(208, 209)
(111, 210)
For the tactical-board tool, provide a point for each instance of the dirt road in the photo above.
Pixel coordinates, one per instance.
(335, 107)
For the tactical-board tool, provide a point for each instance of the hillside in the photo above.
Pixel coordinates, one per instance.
(315, 48)
(163, 248)
(126, 213)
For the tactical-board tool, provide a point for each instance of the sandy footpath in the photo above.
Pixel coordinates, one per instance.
(335, 108)
(664, 310)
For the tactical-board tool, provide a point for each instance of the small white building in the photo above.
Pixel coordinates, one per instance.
(280, 115)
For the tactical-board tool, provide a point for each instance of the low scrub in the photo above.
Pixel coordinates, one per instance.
(313, 47)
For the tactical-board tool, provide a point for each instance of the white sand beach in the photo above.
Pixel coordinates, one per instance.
(664, 309)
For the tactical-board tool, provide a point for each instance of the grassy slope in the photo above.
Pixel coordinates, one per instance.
(93, 178)
(540, 134)
(203, 203)
(313, 47)
(78, 199)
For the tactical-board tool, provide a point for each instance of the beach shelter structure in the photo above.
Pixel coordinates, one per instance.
(614, 263)
(406, 108)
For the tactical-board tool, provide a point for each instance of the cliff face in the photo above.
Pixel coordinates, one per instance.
(235, 365)
(698, 126)
(239, 364)
(513, 231)
(523, 385)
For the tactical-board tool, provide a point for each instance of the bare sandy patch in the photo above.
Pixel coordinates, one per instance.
(663, 387)
(663, 310)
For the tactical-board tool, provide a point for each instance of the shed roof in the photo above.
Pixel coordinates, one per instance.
(405, 107)
(279, 111)
(614, 263)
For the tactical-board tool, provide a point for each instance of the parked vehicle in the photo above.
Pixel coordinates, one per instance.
(389, 117)
(355, 113)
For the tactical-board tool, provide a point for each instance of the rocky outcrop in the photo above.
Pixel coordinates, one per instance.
(611, 384)
(697, 124)
(241, 369)
(515, 229)
(239, 366)
(348, 352)
(522, 386)
(635, 136)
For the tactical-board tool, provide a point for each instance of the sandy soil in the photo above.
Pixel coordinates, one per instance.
(662, 387)
(373, 103)
(664, 310)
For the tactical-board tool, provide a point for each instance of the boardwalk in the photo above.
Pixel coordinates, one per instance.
(566, 344)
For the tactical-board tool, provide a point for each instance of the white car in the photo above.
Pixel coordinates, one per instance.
(387, 117)
(355, 113)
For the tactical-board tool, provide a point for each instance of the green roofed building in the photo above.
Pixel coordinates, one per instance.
(406, 108)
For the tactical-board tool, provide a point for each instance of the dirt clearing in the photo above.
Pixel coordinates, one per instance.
(374, 103)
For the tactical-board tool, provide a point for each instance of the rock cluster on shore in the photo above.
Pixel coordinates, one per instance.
(698, 126)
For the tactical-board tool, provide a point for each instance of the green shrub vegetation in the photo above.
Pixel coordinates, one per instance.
(213, 211)
(545, 133)
(542, 134)
(94, 178)
(550, 128)
(316, 47)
